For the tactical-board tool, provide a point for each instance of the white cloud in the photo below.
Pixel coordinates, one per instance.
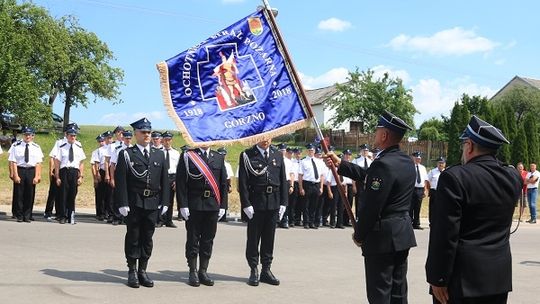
(454, 41)
(379, 70)
(334, 24)
(434, 99)
(335, 75)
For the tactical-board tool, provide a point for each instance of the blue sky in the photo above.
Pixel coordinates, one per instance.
(440, 50)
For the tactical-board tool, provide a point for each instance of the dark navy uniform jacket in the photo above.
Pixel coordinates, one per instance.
(469, 249)
(148, 191)
(384, 224)
(254, 183)
(193, 191)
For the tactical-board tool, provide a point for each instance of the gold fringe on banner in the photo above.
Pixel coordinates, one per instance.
(250, 140)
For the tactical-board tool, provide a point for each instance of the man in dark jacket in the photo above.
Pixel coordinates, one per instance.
(384, 229)
(142, 188)
(263, 190)
(469, 259)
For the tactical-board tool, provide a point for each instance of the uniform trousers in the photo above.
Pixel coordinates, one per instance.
(432, 201)
(52, 196)
(291, 207)
(261, 230)
(68, 190)
(354, 200)
(386, 277)
(168, 216)
(310, 199)
(102, 195)
(416, 206)
(141, 224)
(24, 200)
(201, 228)
(331, 205)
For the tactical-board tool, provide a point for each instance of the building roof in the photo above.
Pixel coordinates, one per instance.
(320, 96)
(517, 80)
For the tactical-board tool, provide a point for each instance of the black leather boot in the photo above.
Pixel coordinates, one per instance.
(133, 282)
(193, 276)
(144, 280)
(254, 277)
(203, 276)
(268, 277)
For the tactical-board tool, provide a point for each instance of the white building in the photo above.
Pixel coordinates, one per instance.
(317, 98)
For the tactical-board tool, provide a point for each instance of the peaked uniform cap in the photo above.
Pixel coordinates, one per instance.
(392, 122)
(484, 134)
(142, 124)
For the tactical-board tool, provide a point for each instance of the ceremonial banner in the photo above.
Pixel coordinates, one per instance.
(234, 86)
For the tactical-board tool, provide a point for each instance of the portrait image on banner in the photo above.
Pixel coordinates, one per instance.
(234, 86)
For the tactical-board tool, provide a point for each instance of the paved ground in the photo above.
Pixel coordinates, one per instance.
(45, 262)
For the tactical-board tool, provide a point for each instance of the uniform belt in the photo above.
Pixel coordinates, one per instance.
(25, 168)
(172, 175)
(266, 189)
(147, 192)
(311, 183)
(532, 188)
(395, 215)
(69, 168)
(204, 193)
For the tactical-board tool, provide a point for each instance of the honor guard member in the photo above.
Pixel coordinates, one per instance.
(156, 140)
(53, 197)
(25, 159)
(69, 170)
(263, 189)
(469, 258)
(113, 146)
(299, 208)
(293, 195)
(202, 196)
(171, 158)
(142, 188)
(421, 187)
(122, 142)
(98, 172)
(311, 183)
(363, 160)
(384, 229)
(230, 175)
(286, 152)
(433, 178)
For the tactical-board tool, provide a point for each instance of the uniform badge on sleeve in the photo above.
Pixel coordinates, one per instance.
(376, 184)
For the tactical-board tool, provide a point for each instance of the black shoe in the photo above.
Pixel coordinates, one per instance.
(159, 224)
(347, 224)
(291, 225)
(306, 226)
(340, 227)
(19, 220)
(62, 221)
(531, 221)
(99, 218)
(27, 221)
(325, 224)
(284, 226)
(311, 226)
(205, 279)
(254, 277)
(418, 228)
(268, 277)
(332, 226)
(194, 278)
(144, 280)
(171, 225)
(133, 282)
(115, 223)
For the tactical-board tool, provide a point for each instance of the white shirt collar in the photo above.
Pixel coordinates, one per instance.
(142, 148)
(263, 150)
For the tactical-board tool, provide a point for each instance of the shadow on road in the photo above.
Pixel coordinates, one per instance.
(530, 263)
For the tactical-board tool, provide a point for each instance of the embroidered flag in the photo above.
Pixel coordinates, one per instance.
(235, 86)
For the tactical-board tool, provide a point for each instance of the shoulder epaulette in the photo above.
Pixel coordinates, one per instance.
(118, 147)
(35, 145)
(63, 144)
(78, 144)
(18, 142)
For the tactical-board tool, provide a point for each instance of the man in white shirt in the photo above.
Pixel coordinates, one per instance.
(25, 159)
(172, 156)
(421, 187)
(295, 207)
(532, 191)
(364, 161)
(69, 169)
(433, 179)
(287, 154)
(311, 183)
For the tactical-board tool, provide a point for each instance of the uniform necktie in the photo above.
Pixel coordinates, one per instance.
(146, 154)
(365, 163)
(315, 171)
(71, 157)
(266, 156)
(167, 158)
(417, 175)
(26, 154)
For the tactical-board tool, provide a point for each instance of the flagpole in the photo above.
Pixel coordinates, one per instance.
(309, 109)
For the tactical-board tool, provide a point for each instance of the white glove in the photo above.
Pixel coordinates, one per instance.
(185, 213)
(123, 211)
(221, 213)
(282, 211)
(249, 212)
(164, 210)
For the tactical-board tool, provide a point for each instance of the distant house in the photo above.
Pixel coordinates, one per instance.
(517, 81)
(318, 98)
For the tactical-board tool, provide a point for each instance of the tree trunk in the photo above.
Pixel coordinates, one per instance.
(67, 107)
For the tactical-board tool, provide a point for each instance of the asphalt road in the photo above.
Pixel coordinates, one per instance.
(45, 262)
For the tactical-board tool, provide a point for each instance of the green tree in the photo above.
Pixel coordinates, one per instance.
(520, 149)
(531, 135)
(433, 129)
(363, 98)
(521, 99)
(459, 118)
(501, 121)
(88, 71)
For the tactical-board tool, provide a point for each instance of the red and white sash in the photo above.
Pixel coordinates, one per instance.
(206, 172)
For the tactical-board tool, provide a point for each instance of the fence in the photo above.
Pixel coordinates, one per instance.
(340, 139)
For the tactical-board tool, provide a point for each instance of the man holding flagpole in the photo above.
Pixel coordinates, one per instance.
(263, 189)
(202, 190)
